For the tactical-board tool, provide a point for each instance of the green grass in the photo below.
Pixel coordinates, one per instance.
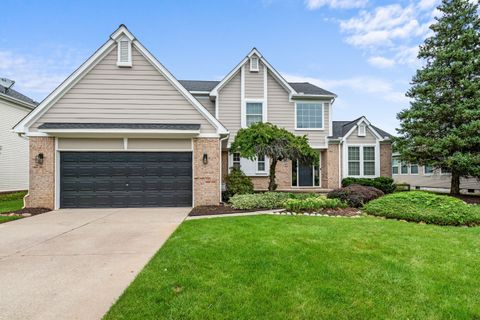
(291, 267)
(422, 206)
(7, 219)
(11, 201)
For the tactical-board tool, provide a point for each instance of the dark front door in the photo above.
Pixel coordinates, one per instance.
(305, 175)
(125, 179)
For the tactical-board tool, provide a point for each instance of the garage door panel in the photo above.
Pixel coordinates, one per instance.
(125, 179)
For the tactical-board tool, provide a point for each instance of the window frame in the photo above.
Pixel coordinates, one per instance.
(127, 63)
(359, 161)
(376, 162)
(406, 165)
(428, 173)
(322, 105)
(418, 169)
(396, 166)
(234, 161)
(364, 132)
(244, 110)
(315, 170)
(369, 161)
(252, 68)
(264, 161)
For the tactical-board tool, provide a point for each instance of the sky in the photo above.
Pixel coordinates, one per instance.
(362, 50)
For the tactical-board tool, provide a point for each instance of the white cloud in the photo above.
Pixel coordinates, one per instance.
(427, 4)
(360, 84)
(381, 62)
(337, 4)
(36, 76)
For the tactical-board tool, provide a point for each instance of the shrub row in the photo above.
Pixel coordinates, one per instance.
(421, 206)
(266, 200)
(355, 195)
(384, 184)
(313, 204)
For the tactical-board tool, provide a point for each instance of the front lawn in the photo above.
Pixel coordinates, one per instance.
(296, 267)
(11, 201)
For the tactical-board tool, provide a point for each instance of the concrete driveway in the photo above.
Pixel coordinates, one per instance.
(73, 264)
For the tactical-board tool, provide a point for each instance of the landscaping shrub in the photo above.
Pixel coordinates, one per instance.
(384, 184)
(267, 200)
(421, 206)
(355, 195)
(237, 183)
(313, 204)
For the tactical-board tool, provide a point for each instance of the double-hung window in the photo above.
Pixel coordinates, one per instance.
(428, 170)
(395, 164)
(414, 169)
(254, 113)
(261, 163)
(361, 161)
(353, 161)
(236, 160)
(368, 161)
(404, 168)
(309, 116)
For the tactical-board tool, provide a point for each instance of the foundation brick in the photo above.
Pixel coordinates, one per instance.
(386, 159)
(206, 178)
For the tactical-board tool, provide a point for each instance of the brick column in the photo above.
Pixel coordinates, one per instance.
(386, 159)
(41, 191)
(206, 180)
(332, 166)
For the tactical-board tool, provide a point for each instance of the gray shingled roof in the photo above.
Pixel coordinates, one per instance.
(160, 126)
(17, 95)
(300, 87)
(341, 128)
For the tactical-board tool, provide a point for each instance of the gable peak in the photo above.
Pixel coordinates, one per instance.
(122, 31)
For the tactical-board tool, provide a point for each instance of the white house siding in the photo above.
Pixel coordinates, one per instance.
(13, 149)
(140, 94)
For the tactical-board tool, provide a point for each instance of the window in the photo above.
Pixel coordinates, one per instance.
(395, 164)
(124, 58)
(309, 116)
(368, 161)
(254, 113)
(236, 160)
(254, 64)
(414, 169)
(353, 161)
(404, 168)
(428, 170)
(362, 130)
(261, 163)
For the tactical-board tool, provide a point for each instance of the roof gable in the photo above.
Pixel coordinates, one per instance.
(24, 125)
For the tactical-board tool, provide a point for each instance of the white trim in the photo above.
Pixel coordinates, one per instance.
(121, 131)
(323, 116)
(18, 102)
(330, 121)
(265, 95)
(418, 170)
(242, 98)
(362, 133)
(125, 143)
(57, 176)
(252, 67)
(361, 161)
(124, 150)
(400, 170)
(244, 110)
(369, 127)
(127, 63)
(298, 186)
(265, 161)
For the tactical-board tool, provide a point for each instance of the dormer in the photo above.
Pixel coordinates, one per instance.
(124, 41)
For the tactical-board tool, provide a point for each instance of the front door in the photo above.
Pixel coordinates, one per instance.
(305, 175)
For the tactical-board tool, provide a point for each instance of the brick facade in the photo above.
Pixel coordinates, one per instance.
(331, 164)
(41, 191)
(206, 180)
(386, 159)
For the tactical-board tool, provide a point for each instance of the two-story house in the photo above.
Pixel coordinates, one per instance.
(122, 131)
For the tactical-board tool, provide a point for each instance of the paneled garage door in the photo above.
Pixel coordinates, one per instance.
(125, 179)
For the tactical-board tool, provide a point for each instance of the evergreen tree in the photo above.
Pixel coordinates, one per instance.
(442, 126)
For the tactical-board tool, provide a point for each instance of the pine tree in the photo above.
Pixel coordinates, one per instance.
(442, 126)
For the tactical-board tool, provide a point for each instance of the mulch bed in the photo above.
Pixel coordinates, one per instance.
(26, 212)
(347, 212)
(468, 198)
(215, 210)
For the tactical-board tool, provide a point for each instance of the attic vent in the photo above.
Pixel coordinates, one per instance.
(124, 53)
(362, 130)
(253, 64)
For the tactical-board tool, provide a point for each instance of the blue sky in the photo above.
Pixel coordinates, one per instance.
(363, 50)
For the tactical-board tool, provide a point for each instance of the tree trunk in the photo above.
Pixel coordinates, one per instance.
(272, 186)
(455, 183)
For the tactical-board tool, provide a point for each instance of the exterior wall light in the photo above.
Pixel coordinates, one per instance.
(205, 158)
(39, 159)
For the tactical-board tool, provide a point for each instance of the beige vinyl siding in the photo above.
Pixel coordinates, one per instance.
(435, 180)
(13, 149)
(207, 103)
(254, 82)
(229, 106)
(140, 94)
(90, 144)
(355, 139)
(282, 113)
(159, 144)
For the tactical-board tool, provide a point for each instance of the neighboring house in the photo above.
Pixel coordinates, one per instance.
(123, 131)
(14, 106)
(428, 178)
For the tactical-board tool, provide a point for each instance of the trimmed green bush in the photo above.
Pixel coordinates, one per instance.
(237, 183)
(385, 184)
(313, 204)
(267, 200)
(421, 206)
(355, 195)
